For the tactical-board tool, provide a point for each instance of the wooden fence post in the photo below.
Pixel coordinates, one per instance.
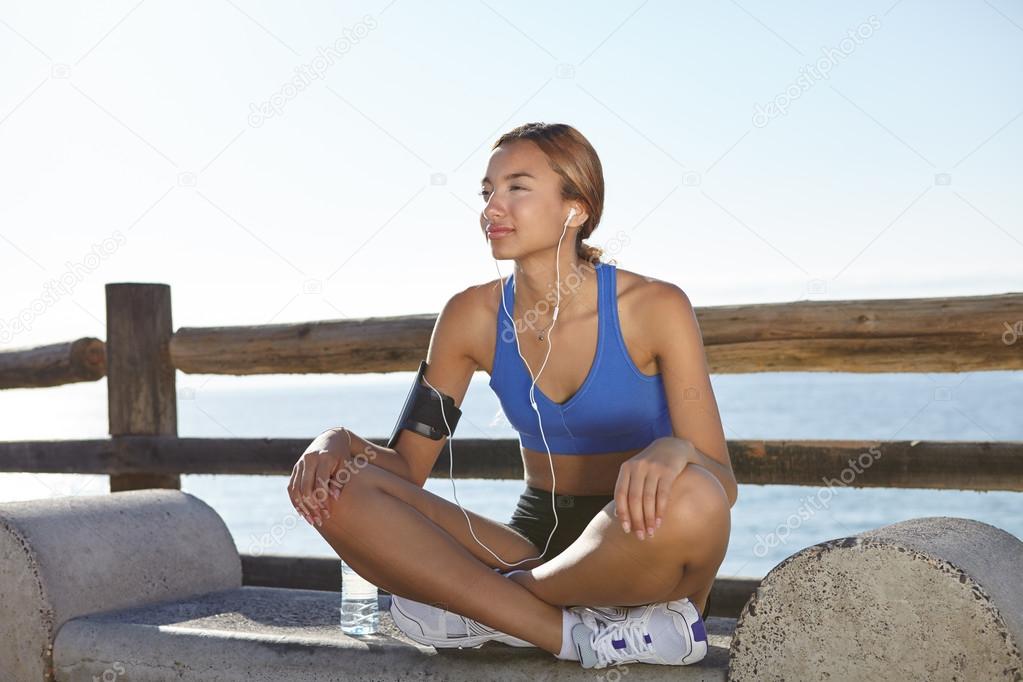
(141, 394)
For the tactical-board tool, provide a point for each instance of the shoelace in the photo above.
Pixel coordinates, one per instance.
(604, 633)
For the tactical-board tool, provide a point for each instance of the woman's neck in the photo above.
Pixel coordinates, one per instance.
(535, 285)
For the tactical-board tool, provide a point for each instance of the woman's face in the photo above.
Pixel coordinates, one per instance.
(521, 193)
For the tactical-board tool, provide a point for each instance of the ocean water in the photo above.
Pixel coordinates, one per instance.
(769, 523)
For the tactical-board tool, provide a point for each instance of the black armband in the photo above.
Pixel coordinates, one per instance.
(422, 411)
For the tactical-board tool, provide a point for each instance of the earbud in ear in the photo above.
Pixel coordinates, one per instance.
(571, 213)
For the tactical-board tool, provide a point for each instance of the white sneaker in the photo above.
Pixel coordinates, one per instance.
(444, 629)
(669, 633)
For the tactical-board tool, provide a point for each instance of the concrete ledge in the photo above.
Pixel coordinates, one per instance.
(250, 634)
(68, 556)
(930, 598)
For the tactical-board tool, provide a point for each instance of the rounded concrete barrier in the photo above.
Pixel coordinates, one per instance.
(934, 598)
(65, 557)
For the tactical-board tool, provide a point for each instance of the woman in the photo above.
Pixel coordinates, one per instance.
(637, 455)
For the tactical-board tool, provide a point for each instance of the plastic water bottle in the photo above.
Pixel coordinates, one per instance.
(359, 612)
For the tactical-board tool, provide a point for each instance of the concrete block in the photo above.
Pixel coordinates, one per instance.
(65, 557)
(935, 598)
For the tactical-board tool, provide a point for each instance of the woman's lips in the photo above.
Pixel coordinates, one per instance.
(498, 232)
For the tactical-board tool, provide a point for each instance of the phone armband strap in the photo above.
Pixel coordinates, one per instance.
(422, 411)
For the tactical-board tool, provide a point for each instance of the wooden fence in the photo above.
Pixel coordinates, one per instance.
(142, 352)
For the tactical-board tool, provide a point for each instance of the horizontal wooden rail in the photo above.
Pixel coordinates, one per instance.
(955, 465)
(957, 334)
(727, 597)
(953, 334)
(53, 365)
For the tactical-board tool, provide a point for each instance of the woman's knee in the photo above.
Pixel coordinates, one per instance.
(697, 495)
(696, 481)
(353, 483)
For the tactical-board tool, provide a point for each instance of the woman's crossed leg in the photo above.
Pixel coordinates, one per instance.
(418, 545)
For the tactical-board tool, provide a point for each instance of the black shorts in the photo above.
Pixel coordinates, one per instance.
(534, 519)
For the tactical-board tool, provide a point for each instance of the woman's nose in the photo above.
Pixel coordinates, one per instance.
(494, 208)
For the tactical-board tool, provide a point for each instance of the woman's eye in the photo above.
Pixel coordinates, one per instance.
(485, 193)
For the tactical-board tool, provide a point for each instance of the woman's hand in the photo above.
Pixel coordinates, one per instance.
(312, 476)
(644, 485)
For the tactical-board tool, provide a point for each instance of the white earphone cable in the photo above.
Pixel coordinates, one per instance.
(532, 402)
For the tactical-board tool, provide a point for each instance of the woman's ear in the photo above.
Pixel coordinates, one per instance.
(580, 217)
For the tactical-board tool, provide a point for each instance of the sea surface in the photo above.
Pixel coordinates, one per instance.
(769, 523)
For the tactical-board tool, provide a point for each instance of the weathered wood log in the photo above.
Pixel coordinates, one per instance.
(141, 394)
(53, 365)
(961, 334)
(956, 465)
(475, 458)
(958, 334)
(949, 465)
(372, 344)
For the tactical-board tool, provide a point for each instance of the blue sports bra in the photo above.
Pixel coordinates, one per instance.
(616, 408)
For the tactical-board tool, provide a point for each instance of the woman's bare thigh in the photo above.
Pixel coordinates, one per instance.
(503, 540)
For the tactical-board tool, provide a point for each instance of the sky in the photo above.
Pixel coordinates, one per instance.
(281, 163)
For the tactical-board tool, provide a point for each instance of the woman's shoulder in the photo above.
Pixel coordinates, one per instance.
(637, 288)
(484, 298)
(476, 300)
(643, 302)
(474, 309)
